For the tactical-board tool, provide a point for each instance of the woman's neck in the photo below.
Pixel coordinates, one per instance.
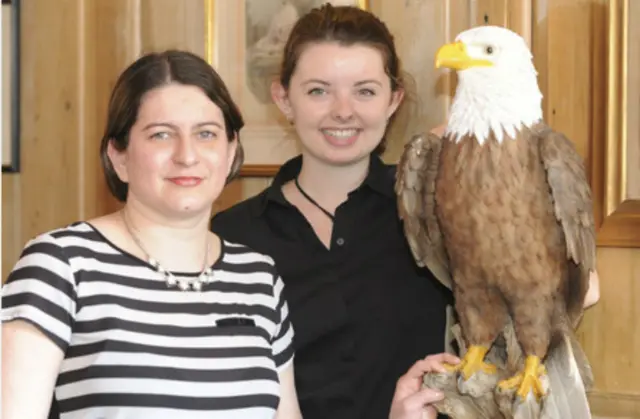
(177, 245)
(329, 184)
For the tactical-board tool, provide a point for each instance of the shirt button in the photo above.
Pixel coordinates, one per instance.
(340, 241)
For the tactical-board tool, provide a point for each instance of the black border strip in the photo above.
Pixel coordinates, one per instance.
(14, 167)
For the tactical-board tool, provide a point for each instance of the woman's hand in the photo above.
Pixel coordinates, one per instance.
(410, 400)
(593, 292)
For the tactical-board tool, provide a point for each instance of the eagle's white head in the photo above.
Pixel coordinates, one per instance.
(497, 83)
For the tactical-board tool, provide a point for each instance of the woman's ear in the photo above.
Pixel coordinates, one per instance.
(396, 99)
(235, 159)
(281, 99)
(118, 161)
(231, 155)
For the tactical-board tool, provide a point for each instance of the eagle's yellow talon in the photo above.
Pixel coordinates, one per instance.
(527, 381)
(472, 362)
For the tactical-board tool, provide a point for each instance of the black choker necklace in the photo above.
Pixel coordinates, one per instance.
(313, 201)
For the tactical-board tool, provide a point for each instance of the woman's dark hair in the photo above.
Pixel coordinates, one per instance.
(345, 25)
(149, 72)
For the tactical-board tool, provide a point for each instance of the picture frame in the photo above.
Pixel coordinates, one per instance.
(244, 40)
(10, 87)
(618, 200)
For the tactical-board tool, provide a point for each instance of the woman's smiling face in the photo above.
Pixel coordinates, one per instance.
(339, 100)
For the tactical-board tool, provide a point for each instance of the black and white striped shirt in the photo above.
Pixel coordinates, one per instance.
(135, 348)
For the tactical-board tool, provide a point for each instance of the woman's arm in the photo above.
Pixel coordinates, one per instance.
(30, 365)
(593, 293)
(38, 310)
(288, 407)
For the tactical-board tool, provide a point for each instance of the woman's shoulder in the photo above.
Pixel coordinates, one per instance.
(66, 243)
(64, 236)
(239, 222)
(240, 211)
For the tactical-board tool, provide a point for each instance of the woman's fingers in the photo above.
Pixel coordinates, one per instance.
(432, 363)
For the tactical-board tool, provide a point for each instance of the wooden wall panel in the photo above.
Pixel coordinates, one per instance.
(51, 115)
(610, 334)
(491, 12)
(565, 30)
(172, 24)
(427, 87)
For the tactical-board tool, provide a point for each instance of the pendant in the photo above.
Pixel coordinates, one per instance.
(205, 277)
(171, 281)
(184, 284)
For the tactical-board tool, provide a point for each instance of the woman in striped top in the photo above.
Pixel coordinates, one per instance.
(144, 313)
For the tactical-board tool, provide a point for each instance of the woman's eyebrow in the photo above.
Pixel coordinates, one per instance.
(317, 81)
(175, 127)
(368, 81)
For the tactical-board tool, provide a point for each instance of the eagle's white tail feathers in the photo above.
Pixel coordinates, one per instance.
(569, 379)
(569, 375)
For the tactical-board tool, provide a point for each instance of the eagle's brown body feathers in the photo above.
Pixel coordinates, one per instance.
(506, 248)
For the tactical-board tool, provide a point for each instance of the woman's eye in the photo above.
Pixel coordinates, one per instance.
(367, 92)
(315, 91)
(207, 135)
(160, 136)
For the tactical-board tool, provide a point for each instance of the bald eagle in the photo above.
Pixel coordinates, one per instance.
(499, 208)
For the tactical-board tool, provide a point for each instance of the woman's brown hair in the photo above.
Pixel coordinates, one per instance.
(149, 72)
(345, 25)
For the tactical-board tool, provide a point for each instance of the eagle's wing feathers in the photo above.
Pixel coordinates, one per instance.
(415, 188)
(573, 208)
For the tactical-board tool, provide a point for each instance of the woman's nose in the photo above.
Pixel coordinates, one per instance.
(342, 109)
(186, 152)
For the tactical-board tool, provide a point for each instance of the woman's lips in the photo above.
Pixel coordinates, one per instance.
(185, 180)
(341, 137)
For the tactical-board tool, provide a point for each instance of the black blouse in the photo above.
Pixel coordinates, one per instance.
(363, 312)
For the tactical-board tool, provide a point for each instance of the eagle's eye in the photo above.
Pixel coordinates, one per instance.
(489, 50)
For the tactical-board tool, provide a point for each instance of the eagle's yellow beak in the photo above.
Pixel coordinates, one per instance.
(455, 56)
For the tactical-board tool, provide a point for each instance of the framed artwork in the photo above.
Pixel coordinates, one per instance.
(245, 39)
(10, 87)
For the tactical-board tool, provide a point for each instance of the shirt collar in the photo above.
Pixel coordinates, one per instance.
(380, 179)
